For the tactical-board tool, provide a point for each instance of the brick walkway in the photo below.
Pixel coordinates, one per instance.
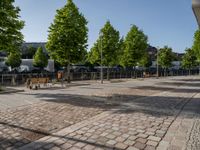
(138, 118)
(141, 124)
(25, 124)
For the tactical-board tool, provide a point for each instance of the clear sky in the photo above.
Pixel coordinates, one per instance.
(165, 22)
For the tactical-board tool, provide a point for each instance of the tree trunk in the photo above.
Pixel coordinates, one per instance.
(13, 79)
(199, 70)
(68, 73)
(165, 72)
(134, 72)
(189, 72)
(108, 73)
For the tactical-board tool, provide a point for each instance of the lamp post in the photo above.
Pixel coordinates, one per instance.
(157, 63)
(101, 49)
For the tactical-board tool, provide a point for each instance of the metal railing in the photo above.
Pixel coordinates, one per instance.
(20, 79)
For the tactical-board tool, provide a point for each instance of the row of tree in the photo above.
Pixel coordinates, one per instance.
(67, 42)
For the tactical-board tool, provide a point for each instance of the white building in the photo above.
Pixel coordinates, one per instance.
(27, 66)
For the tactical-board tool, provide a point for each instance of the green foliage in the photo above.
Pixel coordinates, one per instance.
(110, 44)
(68, 35)
(119, 58)
(11, 37)
(29, 53)
(40, 59)
(165, 57)
(146, 60)
(196, 44)
(135, 45)
(94, 55)
(14, 59)
(189, 60)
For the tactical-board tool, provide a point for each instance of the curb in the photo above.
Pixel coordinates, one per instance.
(10, 91)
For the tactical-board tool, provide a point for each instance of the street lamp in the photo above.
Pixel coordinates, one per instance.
(101, 48)
(157, 62)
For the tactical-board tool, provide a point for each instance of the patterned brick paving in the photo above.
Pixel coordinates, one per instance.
(25, 124)
(134, 127)
(131, 119)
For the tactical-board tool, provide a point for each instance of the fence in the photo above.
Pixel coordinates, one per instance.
(20, 79)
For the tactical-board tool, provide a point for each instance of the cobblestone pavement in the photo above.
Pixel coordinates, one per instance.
(56, 110)
(129, 117)
(194, 141)
(140, 123)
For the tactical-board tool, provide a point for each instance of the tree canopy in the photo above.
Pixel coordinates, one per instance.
(145, 60)
(196, 44)
(14, 59)
(11, 37)
(67, 39)
(135, 45)
(40, 59)
(29, 52)
(109, 43)
(165, 57)
(189, 60)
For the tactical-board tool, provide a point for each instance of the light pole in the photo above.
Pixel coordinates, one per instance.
(157, 62)
(101, 48)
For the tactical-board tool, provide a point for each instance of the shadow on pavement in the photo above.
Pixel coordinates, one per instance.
(189, 84)
(19, 143)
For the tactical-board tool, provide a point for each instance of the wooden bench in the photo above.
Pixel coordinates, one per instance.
(35, 82)
(146, 75)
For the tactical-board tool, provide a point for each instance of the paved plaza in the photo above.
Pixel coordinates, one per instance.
(127, 115)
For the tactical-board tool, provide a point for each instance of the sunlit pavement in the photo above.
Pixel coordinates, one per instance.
(136, 114)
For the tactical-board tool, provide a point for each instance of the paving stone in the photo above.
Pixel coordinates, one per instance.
(150, 148)
(132, 137)
(88, 147)
(111, 142)
(120, 139)
(142, 135)
(132, 148)
(111, 136)
(139, 145)
(80, 144)
(129, 142)
(141, 140)
(48, 146)
(152, 143)
(154, 138)
(121, 146)
(55, 148)
(74, 148)
(66, 146)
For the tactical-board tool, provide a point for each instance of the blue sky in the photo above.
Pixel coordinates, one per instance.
(165, 22)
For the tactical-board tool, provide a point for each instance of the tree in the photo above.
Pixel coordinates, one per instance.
(119, 59)
(109, 43)
(189, 60)
(40, 59)
(29, 52)
(11, 37)
(67, 39)
(145, 60)
(196, 46)
(14, 60)
(165, 57)
(134, 47)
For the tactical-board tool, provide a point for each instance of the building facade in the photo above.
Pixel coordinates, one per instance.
(196, 9)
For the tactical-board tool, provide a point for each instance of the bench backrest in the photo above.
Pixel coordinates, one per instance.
(39, 80)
